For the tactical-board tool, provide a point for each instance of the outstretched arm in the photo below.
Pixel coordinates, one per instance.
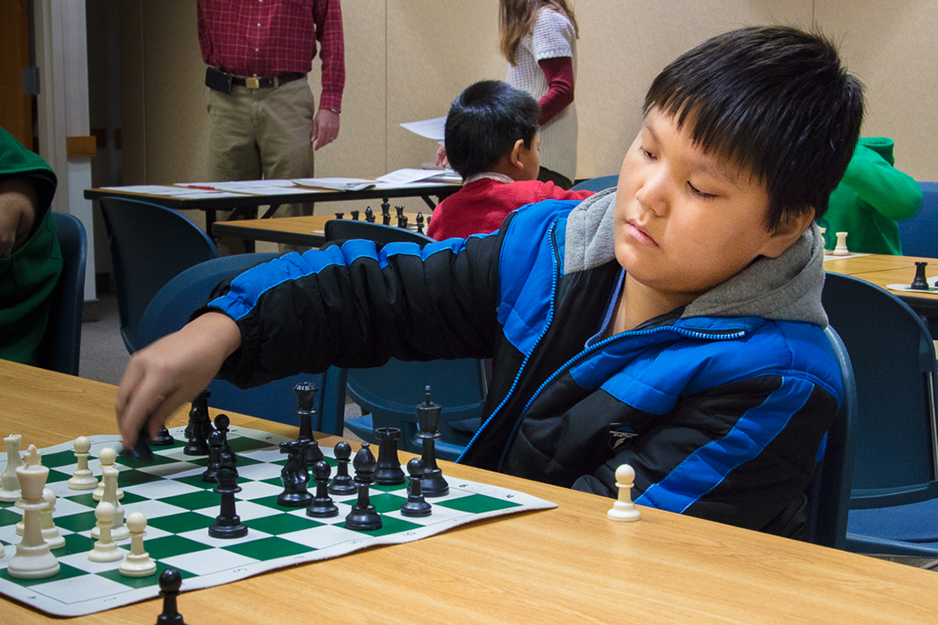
(18, 203)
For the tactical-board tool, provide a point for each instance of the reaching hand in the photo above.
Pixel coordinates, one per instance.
(441, 160)
(325, 128)
(17, 214)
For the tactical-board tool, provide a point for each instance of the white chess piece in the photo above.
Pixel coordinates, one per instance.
(10, 491)
(841, 248)
(106, 457)
(105, 549)
(82, 479)
(623, 509)
(33, 559)
(50, 533)
(137, 563)
(118, 529)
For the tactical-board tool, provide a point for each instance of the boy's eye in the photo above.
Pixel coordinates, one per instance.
(646, 153)
(700, 193)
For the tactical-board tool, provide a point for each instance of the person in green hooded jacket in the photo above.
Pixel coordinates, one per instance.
(30, 257)
(870, 199)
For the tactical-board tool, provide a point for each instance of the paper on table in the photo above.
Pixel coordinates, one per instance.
(407, 176)
(337, 183)
(429, 128)
(151, 189)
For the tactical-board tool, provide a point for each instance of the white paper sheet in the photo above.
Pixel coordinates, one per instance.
(429, 128)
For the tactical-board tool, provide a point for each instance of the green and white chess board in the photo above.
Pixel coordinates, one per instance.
(179, 507)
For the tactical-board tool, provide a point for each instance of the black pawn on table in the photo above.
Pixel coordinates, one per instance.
(428, 419)
(216, 441)
(342, 483)
(363, 516)
(199, 427)
(170, 582)
(322, 506)
(416, 505)
(227, 524)
(294, 476)
(222, 423)
(305, 412)
(419, 221)
(388, 471)
(369, 215)
(920, 282)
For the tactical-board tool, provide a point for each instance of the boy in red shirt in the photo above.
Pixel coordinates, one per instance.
(492, 142)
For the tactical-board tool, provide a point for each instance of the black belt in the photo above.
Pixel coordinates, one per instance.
(266, 82)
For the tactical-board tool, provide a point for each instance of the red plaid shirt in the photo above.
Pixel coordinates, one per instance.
(272, 37)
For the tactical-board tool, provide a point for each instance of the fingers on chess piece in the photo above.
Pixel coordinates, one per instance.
(170, 582)
(623, 509)
(920, 282)
(322, 506)
(416, 505)
(82, 479)
(137, 563)
(199, 427)
(10, 487)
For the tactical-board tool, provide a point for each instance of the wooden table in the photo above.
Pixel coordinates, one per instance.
(567, 565)
(883, 270)
(303, 231)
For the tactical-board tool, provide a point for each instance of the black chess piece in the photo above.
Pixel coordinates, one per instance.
(419, 221)
(170, 581)
(363, 516)
(400, 212)
(294, 476)
(305, 398)
(920, 282)
(388, 471)
(416, 505)
(355, 214)
(340, 215)
(322, 505)
(369, 215)
(163, 439)
(402, 222)
(141, 449)
(227, 524)
(199, 426)
(216, 443)
(342, 483)
(433, 483)
(386, 219)
(385, 206)
(222, 423)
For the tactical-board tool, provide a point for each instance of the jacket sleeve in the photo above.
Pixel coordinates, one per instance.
(352, 305)
(893, 193)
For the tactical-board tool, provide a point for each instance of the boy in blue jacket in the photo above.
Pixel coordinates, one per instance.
(674, 323)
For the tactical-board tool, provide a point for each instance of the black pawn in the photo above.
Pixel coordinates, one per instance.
(340, 215)
(216, 441)
(163, 439)
(305, 399)
(369, 215)
(199, 426)
(170, 581)
(920, 282)
(419, 221)
(222, 422)
(363, 516)
(388, 471)
(294, 476)
(227, 524)
(355, 213)
(342, 483)
(322, 506)
(428, 419)
(416, 505)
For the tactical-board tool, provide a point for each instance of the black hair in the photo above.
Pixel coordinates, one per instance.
(484, 122)
(774, 100)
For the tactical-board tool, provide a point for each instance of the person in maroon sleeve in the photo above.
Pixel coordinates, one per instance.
(492, 142)
(263, 121)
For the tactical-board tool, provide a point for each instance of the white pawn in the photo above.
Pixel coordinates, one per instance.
(106, 457)
(841, 248)
(105, 549)
(137, 563)
(10, 490)
(49, 531)
(118, 529)
(623, 509)
(82, 479)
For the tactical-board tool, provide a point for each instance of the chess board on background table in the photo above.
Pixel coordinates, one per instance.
(179, 507)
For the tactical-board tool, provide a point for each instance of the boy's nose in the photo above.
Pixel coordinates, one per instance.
(653, 194)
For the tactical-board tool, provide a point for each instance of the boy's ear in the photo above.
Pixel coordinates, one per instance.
(514, 157)
(789, 230)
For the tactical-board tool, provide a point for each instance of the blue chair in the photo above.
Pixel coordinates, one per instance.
(894, 494)
(919, 235)
(169, 310)
(61, 346)
(150, 245)
(596, 184)
(390, 393)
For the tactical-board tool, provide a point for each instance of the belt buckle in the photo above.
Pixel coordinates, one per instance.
(253, 83)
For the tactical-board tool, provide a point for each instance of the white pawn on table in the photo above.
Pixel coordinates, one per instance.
(137, 563)
(623, 509)
(118, 529)
(10, 488)
(82, 479)
(106, 458)
(105, 549)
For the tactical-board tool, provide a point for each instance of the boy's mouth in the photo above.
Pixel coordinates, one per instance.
(640, 234)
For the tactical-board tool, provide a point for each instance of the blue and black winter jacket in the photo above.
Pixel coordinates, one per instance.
(719, 407)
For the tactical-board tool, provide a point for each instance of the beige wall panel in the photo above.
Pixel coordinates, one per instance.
(625, 43)
(176, 124)
(892, 47)
(133, 111)
(436, 48)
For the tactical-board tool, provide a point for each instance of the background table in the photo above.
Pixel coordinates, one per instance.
(883, 270)
(568, 565)
(303, 231)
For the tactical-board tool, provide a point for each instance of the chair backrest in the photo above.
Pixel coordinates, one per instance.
(344, 229)
(893, 360)
(919, 235)
(596, 184)
(61, 346)
(169, 310)
(150, 245)
(829, 491)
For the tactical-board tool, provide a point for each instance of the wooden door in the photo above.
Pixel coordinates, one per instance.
(15, 107)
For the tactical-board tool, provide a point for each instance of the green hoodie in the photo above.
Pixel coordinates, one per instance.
(872, 196)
